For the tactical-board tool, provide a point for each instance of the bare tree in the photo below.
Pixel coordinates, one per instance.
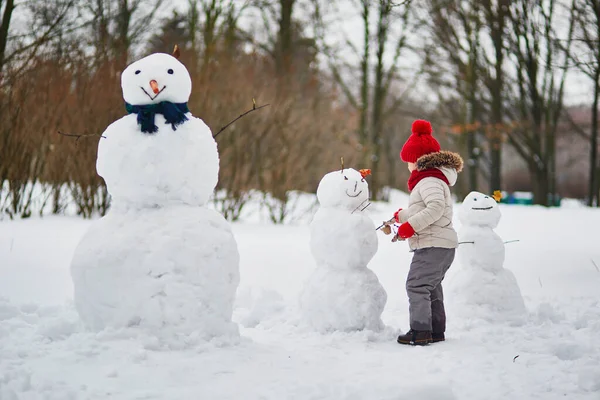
(384, 38)
(119, 24)
(541, 71)
(456, 29)
(586, 58)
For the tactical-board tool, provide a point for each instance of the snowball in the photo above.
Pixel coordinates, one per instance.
(171, 76)
(342, 293)
(342, 240)
(479, 209)
(343, 300)
(170, 270)
(479, 294)
(167, 167)
(589, 379)
(480, 248)
(343, 189)
(256, 304)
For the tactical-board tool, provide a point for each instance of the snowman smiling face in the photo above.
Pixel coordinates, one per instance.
(158, 77)
(479, 209)
(343, 189)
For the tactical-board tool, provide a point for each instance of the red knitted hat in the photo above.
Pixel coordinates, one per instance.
(419, 143)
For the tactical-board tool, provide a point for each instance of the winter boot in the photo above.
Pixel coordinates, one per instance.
(415, 338)
(437, 337)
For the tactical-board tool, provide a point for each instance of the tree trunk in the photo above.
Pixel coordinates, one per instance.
(593, 185)
(472, 150)
(284, 53)
(364, 85)
(378, 99)
(540, 185)
(5, 23)
(497, 34)
(122, 38)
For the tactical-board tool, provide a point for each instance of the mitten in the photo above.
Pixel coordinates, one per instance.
(405, 231)
(397, 215)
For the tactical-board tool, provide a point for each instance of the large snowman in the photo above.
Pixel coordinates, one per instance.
(159, 260)
(481, 288)
(343, 294)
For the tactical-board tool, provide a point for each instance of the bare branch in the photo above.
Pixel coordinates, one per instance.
(254, 108)
(80, 136)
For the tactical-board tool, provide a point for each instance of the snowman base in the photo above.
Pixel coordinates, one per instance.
(485, 296)
(169, 271)
(343, 300)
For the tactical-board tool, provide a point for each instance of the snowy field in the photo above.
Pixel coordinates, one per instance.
(45, 354)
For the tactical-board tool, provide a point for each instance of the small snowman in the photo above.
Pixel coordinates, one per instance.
(159, 260)
(481, 287)
(343, 294)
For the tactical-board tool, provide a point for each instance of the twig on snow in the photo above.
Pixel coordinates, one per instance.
(514, 359)
(511, 241)
(595, 265)
(254, 108)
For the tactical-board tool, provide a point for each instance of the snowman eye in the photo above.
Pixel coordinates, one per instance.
(170, 71)
(475, 199)
(137, 72)
(345, 178)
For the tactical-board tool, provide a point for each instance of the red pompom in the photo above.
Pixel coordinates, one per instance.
(421, 127)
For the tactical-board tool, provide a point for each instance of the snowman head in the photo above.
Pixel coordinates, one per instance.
(346, 189)
(155, 78)
(479, 209)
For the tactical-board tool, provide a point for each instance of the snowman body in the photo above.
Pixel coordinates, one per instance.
(482, 288)
(159, 260)
(343, 294)
(159, 169)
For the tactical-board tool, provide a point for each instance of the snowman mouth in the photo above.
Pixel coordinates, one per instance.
(482, 208)
(156, 95)
(356, 195)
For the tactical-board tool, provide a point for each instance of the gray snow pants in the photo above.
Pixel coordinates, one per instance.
(424, 288)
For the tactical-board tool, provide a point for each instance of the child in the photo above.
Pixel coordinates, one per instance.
(427, 224)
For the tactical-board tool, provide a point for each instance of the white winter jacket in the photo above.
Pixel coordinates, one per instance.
(429, 209)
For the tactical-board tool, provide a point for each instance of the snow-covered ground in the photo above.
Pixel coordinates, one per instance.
(45, 354)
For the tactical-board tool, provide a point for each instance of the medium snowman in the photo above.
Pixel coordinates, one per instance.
(159, 260)
(343, 294)
(481, 287)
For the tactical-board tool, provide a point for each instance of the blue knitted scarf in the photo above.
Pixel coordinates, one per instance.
(174, 114)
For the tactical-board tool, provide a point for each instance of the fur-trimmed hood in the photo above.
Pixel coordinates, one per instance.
(440, 159)
(446, 161)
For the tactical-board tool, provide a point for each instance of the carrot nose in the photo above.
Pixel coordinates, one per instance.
(154, 86)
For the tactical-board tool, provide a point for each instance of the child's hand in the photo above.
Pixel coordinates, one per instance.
(405, 231)
(397, 215)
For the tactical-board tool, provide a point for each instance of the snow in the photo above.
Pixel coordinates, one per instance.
(342, 293)
(479, 286)
(46, 354)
